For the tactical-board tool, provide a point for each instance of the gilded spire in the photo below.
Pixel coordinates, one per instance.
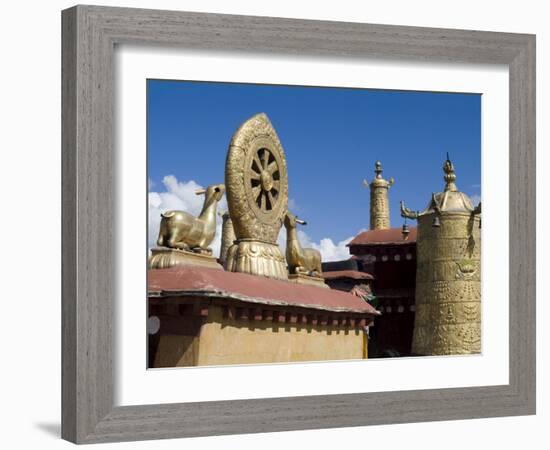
(450, 175)
(379, 208)
(378, 169)
(451, 200)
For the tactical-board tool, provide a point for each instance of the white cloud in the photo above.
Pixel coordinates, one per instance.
(326, 246)
(179, 195)
(329, 250)
(293, 206)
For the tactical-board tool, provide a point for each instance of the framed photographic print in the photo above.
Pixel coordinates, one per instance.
(293, 209)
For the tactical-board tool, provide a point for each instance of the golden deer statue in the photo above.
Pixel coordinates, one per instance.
(300, 260)
(181, 230)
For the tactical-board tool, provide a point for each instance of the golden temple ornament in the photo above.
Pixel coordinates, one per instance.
(257, 195)
(185, 239)
(379, 207)
(448, 274)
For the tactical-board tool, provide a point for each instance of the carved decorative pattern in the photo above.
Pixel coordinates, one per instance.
(257, 195)
(457, 247)
(447, 313)
(256, 181)
(456, 339)
(445, 291)
(258, 258)
(448, 285)
(459, 226)
(379, 209)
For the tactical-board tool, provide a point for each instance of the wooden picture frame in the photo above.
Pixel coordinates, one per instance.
(90, 34)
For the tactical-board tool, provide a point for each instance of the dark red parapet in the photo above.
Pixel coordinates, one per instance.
(352, 274)
(193, 280)
(393, 236)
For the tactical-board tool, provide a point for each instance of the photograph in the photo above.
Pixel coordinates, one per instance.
(294, 223)
(270, 226)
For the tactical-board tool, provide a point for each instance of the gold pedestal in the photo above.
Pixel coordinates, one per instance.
(257, 258)
(162, 258)
(301, 278)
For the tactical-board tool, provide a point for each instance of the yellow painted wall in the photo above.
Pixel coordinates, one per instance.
(224, 341)
(177, 351)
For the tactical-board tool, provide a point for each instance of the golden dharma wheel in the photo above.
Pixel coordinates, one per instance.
(256, 181)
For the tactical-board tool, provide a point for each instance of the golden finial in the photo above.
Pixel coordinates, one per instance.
(378, 169)
(450, 175)
(378, 180)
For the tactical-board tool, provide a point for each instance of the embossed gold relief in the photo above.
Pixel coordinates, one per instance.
(467, 270)
(443, 291)
(259, 258)
(379, 209)
(448, 275)
(257, 194)
(444, 270)
(456, 224)
(458, 339)
(448, 313)
(459, 247)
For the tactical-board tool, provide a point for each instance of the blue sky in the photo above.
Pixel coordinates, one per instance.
(331, 138)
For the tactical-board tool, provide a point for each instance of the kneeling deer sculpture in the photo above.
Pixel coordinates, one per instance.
(181, 230)
(300, 260)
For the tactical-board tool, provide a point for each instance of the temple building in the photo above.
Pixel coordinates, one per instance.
(214, 317)
(381, 268)
(388, 256)
(256, 302)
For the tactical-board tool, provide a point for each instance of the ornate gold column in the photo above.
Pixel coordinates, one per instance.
(448, 273)
(228, 236)
(379, 206)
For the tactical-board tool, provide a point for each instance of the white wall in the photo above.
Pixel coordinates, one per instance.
(30, 221)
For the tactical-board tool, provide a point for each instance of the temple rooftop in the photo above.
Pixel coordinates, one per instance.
(193, 281)
(388, 236)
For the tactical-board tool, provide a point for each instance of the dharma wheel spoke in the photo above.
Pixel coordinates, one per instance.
(276, 185)
(256, 191)
(262, 201)
(258, 164)
(272, 167)
(271, 199)
(265, 158)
